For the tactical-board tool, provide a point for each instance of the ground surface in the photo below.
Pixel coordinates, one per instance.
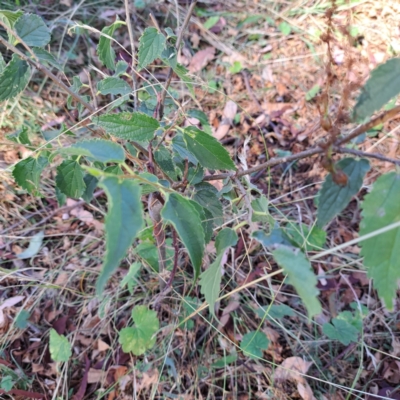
(259, 65)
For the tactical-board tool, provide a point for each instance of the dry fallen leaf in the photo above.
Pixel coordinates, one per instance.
(201, 59)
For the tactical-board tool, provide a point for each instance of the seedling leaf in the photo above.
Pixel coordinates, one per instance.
(151, 45)
(69, 179)
(14, 78)
(60, 348)
(253, 344)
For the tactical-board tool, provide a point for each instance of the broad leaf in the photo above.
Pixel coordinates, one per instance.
(14, 78)
(131, 126)
(141, 337)
(32, 30)
(180, 149)
(253, 344)
(2, 64)
(202, 117)
(27, 173)
(69, 179)
(124, 220)
(260, 210)
(20, 136)
(104, 50)
(186, 221)
(47, 58)
(98, 150)
(224, 361)
(151, 45)
(60, 347)
(275, 311)
(9, 18)
(164, 160)
(208, 151)
(300, 275)
(333, 198)
(308, 239)
(210, 279)
(380, 208)
(340, 330)
(113, 85)
(21, 321)
(383, 85)
(206, 220)
(182, 72)
(276, 237)
(210, 202)
(91, 184)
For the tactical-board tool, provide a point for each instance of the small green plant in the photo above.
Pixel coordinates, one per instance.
(156, 173)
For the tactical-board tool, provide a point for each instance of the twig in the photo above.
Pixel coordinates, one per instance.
(178, 45)
(245, 196)
(130, 32)
(92, 89)
(359, 153)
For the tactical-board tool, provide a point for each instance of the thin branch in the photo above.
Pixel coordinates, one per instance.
(245, 196)
(178, 45)
(359, 153)
(130, 32)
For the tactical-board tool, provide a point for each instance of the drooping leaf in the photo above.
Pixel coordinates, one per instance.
(253, 344)
(202, 117)
(131, 126)
(151, 45)
(183, 74)
(14, 78)
(333, 198)
(91, 184)
(210, 201)
(60, 347)
(300, 276)
(208, 151)
(164, 160)
(32, 30)
(47, 58)
(383, 85)
(276, 237)
(34, 246)
(275, 311)
(101, 150)
(20, 136)
(340, 330)
(210, 279)
(113, 85)
(380, 208)
(186, 221)
(180, 149)
(141, 337)
(61, 197)
(169, 56)
(69, 179)
(260, 210)
(304, 237)
(105, 52)
(120, 68)
(123, 222)
(130, 279)
(206, 220)
(27, 173)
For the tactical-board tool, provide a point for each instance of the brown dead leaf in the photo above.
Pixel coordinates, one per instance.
(227, 120)
(292, 369)
(305, 391)
(149, 378)
(84, 215)
(96, 375)
(201, 59)
(102, 346)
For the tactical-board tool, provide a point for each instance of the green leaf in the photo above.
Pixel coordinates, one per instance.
(9, 18)
(312, 92)
(253, 344)
(91, 184)
(202, 117)
(60, 348)
(14, 78)
(121, 67)
(164, 160)
(224, 361)
(104, 50)
(340, 330)
(208, 151)
(180, 149)
(20, 136)
(210, 279)
(151, 45)
(32, 30)
(210, 202)
(69, 179)
(380, 208)
(7, 383)
(2, 64)
(113, 85)
(21, 321)
(186, 221)
(333, 198)
(27, 173)
(276, 237)
(383, 85)
(275, 311)
(308, 239)
(260, 210)
(124, 220)
(182, 72)
(131, 126)
(101, 150)
(130, 279)
(34, 246)
(141, 337)
(47, 58)
(300, 275)
(211, 21)
(61, 197)
(285, 28)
